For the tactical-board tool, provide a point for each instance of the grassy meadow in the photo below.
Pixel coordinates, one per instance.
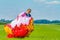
(41, 32)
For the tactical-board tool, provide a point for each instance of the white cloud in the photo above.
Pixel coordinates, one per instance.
(53, 2)
(46, 2)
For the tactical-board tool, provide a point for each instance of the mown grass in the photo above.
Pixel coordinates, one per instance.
(41, 32)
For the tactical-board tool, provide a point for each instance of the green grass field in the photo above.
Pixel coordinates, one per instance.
(41, 32)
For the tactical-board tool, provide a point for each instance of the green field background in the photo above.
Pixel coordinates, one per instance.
(41, 32)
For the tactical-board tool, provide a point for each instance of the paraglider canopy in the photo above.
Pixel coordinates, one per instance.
(21, 26)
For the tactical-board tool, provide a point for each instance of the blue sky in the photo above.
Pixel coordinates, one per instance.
(41, 9)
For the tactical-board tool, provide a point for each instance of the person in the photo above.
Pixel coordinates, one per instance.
(22, 18)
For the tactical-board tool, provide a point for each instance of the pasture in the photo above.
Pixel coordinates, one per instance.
(41, 32)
